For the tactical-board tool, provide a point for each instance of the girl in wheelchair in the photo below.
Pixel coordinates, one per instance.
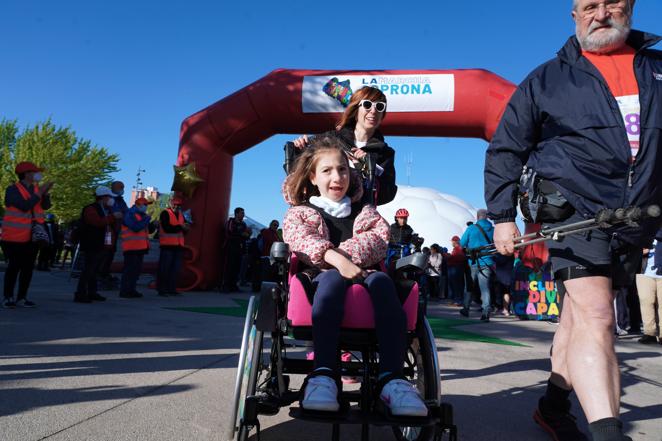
(340, 240)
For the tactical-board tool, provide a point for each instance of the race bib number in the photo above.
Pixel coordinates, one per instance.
(631, 112)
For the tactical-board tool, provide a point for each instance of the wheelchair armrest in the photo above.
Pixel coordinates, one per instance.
(413, 262)
(280, 252)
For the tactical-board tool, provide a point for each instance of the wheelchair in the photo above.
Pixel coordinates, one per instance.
(397, 251)
(278, 322)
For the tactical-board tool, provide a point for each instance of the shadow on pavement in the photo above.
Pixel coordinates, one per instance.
(59, 397)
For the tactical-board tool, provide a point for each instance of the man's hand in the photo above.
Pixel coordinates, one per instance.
(503, 237)
(118, 215)
(301, 142)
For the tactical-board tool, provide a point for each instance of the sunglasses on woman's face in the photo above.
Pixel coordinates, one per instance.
(380, 106)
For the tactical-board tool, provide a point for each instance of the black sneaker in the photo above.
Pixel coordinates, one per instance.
(25, 303)
(560, 424)
(98, 297)
(485, 318)
(9, 304)
(647, 340)
(464, 312)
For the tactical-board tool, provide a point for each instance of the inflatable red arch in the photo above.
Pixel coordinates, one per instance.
(440, 103)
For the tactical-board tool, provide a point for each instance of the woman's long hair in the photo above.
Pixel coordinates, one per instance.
(298, 186)
(348, 119)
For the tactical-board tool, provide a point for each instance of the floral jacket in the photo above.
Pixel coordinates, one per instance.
(308, 236)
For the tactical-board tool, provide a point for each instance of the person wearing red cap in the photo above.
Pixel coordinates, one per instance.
(456, 263)
(136, 227)
(25, 202)
(401, 232)
(171, 240)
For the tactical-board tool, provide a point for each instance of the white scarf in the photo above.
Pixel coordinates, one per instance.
(341, 209)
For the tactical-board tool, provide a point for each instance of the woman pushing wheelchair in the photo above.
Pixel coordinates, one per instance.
(338, 238)
(358, 129)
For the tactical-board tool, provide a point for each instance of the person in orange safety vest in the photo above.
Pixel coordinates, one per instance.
(134, 235)
(171, 239)
(25, 202)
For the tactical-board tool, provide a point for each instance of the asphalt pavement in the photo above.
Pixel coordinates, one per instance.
(141, 369)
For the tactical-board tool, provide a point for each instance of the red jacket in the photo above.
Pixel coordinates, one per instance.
(457, 257)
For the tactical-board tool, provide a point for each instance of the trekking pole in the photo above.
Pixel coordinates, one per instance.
(605, 218)
(74, 260)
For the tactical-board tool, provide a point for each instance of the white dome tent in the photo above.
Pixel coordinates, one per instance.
(435, 216)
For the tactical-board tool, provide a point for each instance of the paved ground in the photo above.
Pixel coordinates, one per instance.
(135, 370)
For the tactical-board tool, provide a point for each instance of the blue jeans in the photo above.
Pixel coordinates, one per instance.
(329, 309)
(481, 276)
(456, 283)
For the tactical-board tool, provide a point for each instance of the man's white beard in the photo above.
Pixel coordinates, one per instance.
(608, 41)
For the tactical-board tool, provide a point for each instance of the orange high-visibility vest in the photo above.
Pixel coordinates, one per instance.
(172, 239)
(135, 241)
(17, 224)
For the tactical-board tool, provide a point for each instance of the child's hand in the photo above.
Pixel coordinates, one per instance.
(349, 270)
(345, 266)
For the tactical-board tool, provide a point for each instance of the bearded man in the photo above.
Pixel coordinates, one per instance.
(589, 124)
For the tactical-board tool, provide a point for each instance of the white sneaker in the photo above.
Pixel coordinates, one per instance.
(321, 394)
(403, 399)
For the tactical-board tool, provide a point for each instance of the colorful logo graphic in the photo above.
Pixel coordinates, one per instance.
(339, 91)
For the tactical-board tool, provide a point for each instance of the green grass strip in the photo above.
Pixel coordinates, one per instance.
(441, 327)
(447, 328)
(232, 311)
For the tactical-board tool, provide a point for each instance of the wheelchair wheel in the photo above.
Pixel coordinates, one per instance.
(422, 358)
(250, 364)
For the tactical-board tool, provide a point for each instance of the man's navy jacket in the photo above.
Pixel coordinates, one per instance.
(564, 122)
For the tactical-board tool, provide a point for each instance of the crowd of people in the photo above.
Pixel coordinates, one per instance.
(245, 255)
(28, 231)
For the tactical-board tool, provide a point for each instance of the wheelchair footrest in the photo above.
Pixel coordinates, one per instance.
(445, 425)
(354, 415)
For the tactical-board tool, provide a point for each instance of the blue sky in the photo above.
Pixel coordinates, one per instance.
(124, 74)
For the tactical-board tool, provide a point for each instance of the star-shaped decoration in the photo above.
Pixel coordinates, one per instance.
(186, 179)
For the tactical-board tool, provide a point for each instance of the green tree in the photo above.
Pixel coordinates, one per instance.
(75, 165)
(155, 209)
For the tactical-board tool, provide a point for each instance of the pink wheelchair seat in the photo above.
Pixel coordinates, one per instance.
(358, 305)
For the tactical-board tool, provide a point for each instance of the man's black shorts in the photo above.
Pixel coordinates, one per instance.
(592, 253)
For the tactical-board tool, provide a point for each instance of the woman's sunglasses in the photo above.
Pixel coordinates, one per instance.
(380, 106)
